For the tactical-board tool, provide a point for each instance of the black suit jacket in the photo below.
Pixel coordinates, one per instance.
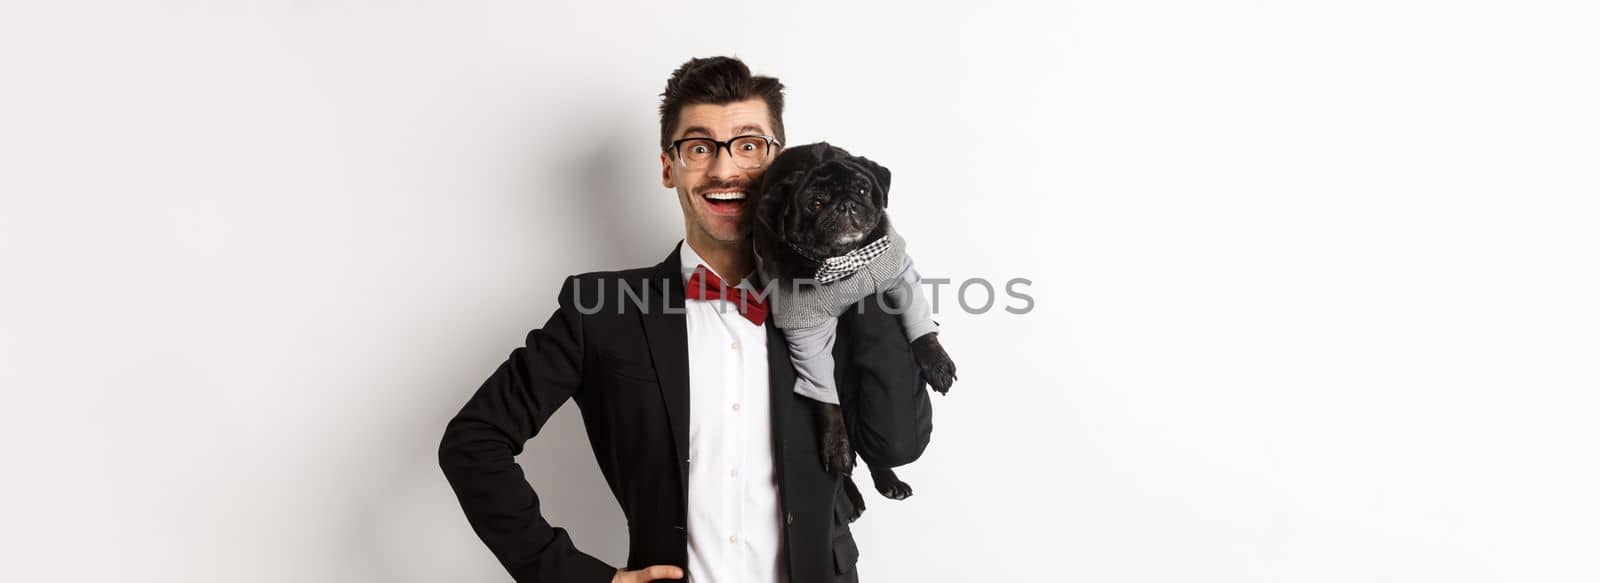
(617, 345)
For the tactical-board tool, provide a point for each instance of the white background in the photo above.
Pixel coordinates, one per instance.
(1315, 281)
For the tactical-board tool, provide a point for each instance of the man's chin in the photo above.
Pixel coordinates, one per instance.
(723, 233)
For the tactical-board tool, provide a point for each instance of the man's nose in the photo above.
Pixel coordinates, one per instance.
(722, 166)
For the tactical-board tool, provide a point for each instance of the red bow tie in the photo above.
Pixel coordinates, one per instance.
(705, 285)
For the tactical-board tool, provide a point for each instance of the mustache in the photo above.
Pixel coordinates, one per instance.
(719, 185)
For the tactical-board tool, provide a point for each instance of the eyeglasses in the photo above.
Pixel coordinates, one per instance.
(748, 152)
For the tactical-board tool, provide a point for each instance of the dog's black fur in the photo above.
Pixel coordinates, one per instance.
(826, 202)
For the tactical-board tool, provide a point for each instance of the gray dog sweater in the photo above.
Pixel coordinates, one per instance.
(808, 311)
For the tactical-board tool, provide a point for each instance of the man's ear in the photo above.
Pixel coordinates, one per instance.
(667, 179)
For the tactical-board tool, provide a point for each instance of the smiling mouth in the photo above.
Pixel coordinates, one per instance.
(729, 202)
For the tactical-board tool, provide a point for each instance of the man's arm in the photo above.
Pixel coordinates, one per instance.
(890, 414)
(481, 442)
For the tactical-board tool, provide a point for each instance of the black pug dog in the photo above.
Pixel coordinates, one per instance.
(819, 201)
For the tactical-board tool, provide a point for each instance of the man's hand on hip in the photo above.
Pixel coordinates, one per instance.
(648, 574)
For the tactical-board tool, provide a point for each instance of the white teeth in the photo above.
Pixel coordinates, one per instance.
(725, 195)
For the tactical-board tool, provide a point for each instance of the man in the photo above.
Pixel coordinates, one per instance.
(687, 399)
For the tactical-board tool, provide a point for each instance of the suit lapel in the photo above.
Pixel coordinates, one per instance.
(667, 334)
(780, 390)
(780, 385)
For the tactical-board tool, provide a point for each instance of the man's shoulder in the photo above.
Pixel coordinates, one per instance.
(592, 290)
(634, 276)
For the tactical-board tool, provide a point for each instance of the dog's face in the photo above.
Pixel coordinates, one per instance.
(821, 199)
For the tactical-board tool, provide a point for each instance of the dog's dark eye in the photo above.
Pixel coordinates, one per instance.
(816, 204)
(862, 191)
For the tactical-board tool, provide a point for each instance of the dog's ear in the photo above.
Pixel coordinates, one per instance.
(775, 190)
(820, 151)
(880, 178)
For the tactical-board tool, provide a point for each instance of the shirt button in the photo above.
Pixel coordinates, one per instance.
(735, 344)
(733, 472)
(733, 538)
(789, 519)
(735, 407)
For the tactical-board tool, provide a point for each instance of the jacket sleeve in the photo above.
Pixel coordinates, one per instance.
(887, 407)
(481, 442)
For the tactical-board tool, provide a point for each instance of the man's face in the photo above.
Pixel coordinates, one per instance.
(713, 198)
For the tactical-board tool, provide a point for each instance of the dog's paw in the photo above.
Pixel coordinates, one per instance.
(837, 456)
(852, 515)
(854, 504)
(937, 368)
(888, 483)
(894, 490)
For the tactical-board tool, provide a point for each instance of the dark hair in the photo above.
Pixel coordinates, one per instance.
(717, 81)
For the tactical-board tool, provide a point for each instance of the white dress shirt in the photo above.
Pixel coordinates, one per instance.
(734, 526)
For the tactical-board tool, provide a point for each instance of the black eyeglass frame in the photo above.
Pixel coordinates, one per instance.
(675, 146)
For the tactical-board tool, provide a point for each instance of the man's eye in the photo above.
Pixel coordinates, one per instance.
(698, 149)
(747, 147)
